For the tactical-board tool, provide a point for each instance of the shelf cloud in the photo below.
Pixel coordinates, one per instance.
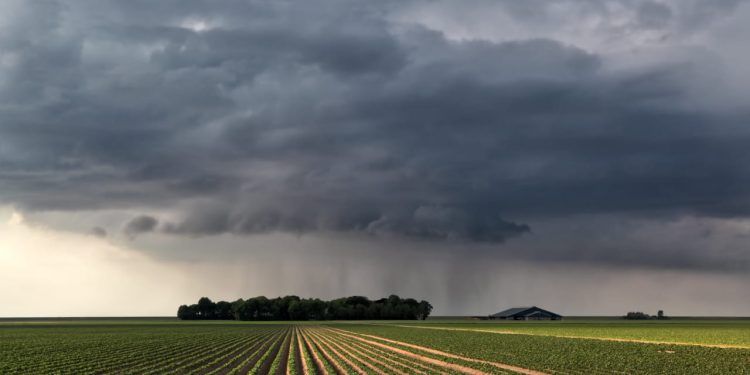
(387, 119)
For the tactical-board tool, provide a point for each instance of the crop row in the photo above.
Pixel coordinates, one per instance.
(189, 351)
(567, 355)
(262, 349)
(283, 349)
(270, 349)
(326, 350)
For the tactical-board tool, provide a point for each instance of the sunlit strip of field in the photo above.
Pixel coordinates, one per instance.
(727, 333)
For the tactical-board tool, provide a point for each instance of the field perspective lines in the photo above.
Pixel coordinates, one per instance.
(337, 348)
(336, 351)
(431, 355)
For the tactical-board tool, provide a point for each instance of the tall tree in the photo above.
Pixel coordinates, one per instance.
(206, 308)
(424, 309)
(295, 308)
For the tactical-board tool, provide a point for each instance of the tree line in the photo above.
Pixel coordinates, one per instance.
(296, 308)
(638, 315)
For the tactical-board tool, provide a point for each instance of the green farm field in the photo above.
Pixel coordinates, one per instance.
(160, 346)
(719, 332)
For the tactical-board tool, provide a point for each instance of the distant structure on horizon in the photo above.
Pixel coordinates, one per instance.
(526, 313)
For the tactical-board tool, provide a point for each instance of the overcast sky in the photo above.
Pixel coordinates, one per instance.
(590, 157)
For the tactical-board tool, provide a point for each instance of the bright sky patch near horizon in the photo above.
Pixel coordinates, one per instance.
(589, 157)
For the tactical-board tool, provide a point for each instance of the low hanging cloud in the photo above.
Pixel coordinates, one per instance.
(258, 117)
(139, 225)
(426, 222)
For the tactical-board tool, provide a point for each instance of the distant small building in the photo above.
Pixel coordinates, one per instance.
(526, 313)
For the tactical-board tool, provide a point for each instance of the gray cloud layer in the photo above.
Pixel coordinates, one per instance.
(261, 116)
(140, 224)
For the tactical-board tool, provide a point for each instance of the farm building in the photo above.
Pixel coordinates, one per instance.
(526, 313)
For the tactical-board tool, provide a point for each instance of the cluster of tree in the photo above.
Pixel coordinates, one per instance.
(296, 308)
(637, 315)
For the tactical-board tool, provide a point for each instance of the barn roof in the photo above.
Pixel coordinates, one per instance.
(522, 311)
(512, 311)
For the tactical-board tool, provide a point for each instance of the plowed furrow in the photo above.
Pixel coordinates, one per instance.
(340, 354)
(131, 357)
(266, 359)
(379, 359)
(291, 361)
(446, 365)
(279, 363)
(301, 351)
(202, 363)
(321, 355)
(126, 358)
(250, 359)
(265, 367)
(410, 365)
(191, 360)
(366, 360)
(322, 367)
(145, 361)
(296, 355)
(232, 360)
(370, 340)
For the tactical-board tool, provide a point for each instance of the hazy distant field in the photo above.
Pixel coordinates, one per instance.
(733, 332)
(171, 346)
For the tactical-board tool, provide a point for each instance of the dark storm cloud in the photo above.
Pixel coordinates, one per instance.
(139, 225)
(262, 116)
(427, 222)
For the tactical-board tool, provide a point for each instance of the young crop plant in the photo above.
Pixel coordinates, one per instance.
(192, 362)
(292, 354)
(348, 363)
(265, 360)
(307, 364)
(213, 348)
(544, 353)
(230, 361)
(280, 361)
(255, 360)
(325, 355)
(388, 361)
(366, 361)
(323, 365)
